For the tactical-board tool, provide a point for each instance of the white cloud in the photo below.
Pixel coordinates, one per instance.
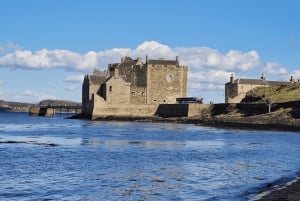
(194, 57)
(38, 96)
(71, 88)
(44, 59)
(211, 76)
(74, 78)
(275, 68)
(203, 57)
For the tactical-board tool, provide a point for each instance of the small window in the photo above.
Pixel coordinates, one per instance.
(132, 93)
(170, 78)
(143, 93)
(110, 88)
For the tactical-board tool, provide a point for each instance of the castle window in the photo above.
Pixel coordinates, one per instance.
(132, 93)
(170, 78)
(143, 93)
(110, 88)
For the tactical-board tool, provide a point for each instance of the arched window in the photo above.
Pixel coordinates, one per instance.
(110, 88)
(170, 78)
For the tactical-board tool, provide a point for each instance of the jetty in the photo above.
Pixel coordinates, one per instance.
(51, 110)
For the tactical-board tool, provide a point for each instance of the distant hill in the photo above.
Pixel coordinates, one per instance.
(277, 94)
(14, 106)
(58, 102)
(24, 107)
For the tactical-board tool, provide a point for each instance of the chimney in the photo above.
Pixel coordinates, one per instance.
(231, 78)
(263, 77)
(292, 79)
(177, 59)
(116, 74)
(139, 61)
(147, 59)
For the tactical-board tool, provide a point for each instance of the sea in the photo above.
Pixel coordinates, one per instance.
(54, 158)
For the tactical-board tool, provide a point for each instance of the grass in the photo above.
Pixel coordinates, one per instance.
(278, 93)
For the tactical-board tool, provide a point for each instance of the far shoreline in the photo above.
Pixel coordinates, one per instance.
(233, 123)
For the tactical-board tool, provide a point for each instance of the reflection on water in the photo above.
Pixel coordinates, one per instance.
(60, 159)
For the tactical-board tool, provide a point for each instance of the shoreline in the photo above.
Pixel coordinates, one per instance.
(289, 192)
(267, 122)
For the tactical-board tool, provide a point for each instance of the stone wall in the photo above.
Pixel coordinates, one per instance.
(138, 95)
(125, 111)
(181, 110)
(162, 110)
(41, 111)
(235, 92)
(165, 83)
(117, 90)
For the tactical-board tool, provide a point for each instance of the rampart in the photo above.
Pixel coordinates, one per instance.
(162, 110)
(192, 110)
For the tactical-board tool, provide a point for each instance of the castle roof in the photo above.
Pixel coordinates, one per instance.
(96, 79)
(127, 63)
(162, 62)
(258, 82)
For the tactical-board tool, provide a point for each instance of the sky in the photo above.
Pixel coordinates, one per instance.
(47, 46)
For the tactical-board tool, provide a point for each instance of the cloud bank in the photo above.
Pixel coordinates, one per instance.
(209, 68)
(195, 57)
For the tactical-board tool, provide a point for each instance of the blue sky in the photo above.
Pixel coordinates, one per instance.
(46, 46)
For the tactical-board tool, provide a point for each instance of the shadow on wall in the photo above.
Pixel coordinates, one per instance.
(172, 110)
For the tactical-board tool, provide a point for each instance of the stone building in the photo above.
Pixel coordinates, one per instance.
(133, 88)
(236, 89)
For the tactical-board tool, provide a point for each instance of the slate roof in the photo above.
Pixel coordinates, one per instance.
(127, 63)
(163, 62)
(97, 79)
(258, 82)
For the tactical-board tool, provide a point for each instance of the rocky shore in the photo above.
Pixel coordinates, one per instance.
(290, 192)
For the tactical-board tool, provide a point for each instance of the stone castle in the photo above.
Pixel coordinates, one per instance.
(133, 88)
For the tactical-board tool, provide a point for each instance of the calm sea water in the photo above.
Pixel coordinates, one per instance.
(60, 159)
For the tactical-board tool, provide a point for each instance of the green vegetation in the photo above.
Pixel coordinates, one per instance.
(276, 93)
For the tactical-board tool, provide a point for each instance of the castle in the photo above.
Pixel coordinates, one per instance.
(133, 88)
(236, 89)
